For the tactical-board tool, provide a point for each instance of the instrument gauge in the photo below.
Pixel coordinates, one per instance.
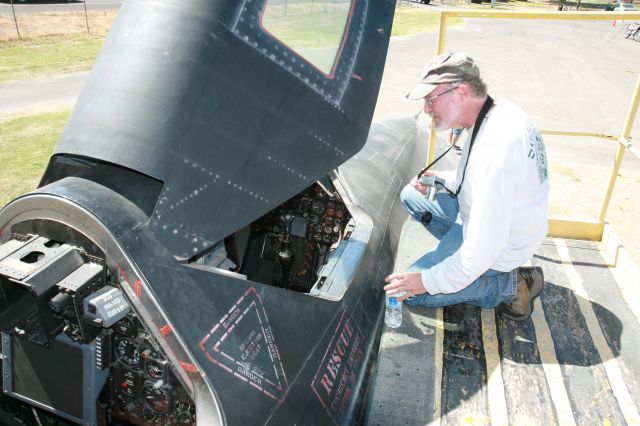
(127, 403)
(157, 399)
(331, 209)
(185, 412)
(317, 207)
(128, 352)
(304, 205)
(125, 327)
(154, 370)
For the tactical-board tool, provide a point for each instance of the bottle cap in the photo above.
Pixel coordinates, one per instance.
(396, 294)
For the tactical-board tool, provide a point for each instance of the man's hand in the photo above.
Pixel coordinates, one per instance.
(420, 187)
(409, 282)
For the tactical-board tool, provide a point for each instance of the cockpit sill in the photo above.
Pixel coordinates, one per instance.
(329, 280)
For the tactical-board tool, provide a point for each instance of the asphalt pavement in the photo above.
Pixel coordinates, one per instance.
(40, 95)
(568, 75)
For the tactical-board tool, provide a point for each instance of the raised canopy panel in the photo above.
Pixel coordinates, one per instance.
(233, 114)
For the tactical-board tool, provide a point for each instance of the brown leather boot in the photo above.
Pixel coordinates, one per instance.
(530, 283)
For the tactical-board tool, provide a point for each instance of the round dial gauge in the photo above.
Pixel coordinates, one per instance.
(185, 412)
(156, 399)
(128, 352)
(154, 370)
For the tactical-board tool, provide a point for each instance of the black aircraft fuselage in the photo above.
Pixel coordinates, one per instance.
(209, 241)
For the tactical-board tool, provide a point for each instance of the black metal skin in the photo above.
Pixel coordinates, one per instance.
(187, 133)
(189, 94)
(193, 301)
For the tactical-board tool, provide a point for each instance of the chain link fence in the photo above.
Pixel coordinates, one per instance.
(20, 22)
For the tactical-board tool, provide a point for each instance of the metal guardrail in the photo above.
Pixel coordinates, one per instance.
(563, 228)
(27, 19)
(15, 18)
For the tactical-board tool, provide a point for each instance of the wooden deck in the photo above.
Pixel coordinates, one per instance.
(576, 361)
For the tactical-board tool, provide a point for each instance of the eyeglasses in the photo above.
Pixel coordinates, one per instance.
(432, 99)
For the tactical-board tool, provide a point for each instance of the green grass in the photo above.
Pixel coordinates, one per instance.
(26, 143)
(303, 28)
(20, 60)
(408, 21)
(315, 33)
(327, 26)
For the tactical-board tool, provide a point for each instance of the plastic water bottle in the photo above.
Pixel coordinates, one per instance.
(393, 312)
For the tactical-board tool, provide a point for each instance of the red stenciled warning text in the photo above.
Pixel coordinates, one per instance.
(338, 373)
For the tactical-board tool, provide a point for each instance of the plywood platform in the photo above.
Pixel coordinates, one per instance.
(576, 361)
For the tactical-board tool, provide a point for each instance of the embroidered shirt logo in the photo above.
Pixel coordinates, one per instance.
(537, 151)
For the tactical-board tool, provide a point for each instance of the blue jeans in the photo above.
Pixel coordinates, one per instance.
(488, 290)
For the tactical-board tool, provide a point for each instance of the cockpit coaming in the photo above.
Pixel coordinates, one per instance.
(290, 246)
(194, 253)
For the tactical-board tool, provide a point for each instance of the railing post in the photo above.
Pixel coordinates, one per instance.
(15, 19)
(442, 32)
(442, 38)
(626, 132)
(86, 16)
(633, 110)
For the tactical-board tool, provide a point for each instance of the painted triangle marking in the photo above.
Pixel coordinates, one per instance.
(251, 353)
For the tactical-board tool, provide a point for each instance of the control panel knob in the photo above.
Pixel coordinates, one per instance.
(130, 407)
(149, 415)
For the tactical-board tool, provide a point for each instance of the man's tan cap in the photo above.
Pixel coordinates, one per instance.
(445, 68)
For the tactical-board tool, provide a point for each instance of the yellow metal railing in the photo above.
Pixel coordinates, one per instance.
(565, 228)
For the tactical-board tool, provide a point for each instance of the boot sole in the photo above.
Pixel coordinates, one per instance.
(534, 292)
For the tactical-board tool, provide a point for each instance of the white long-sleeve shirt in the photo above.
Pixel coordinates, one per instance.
(503, 200)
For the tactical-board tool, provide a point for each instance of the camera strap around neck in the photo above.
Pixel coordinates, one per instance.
(483, 113)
